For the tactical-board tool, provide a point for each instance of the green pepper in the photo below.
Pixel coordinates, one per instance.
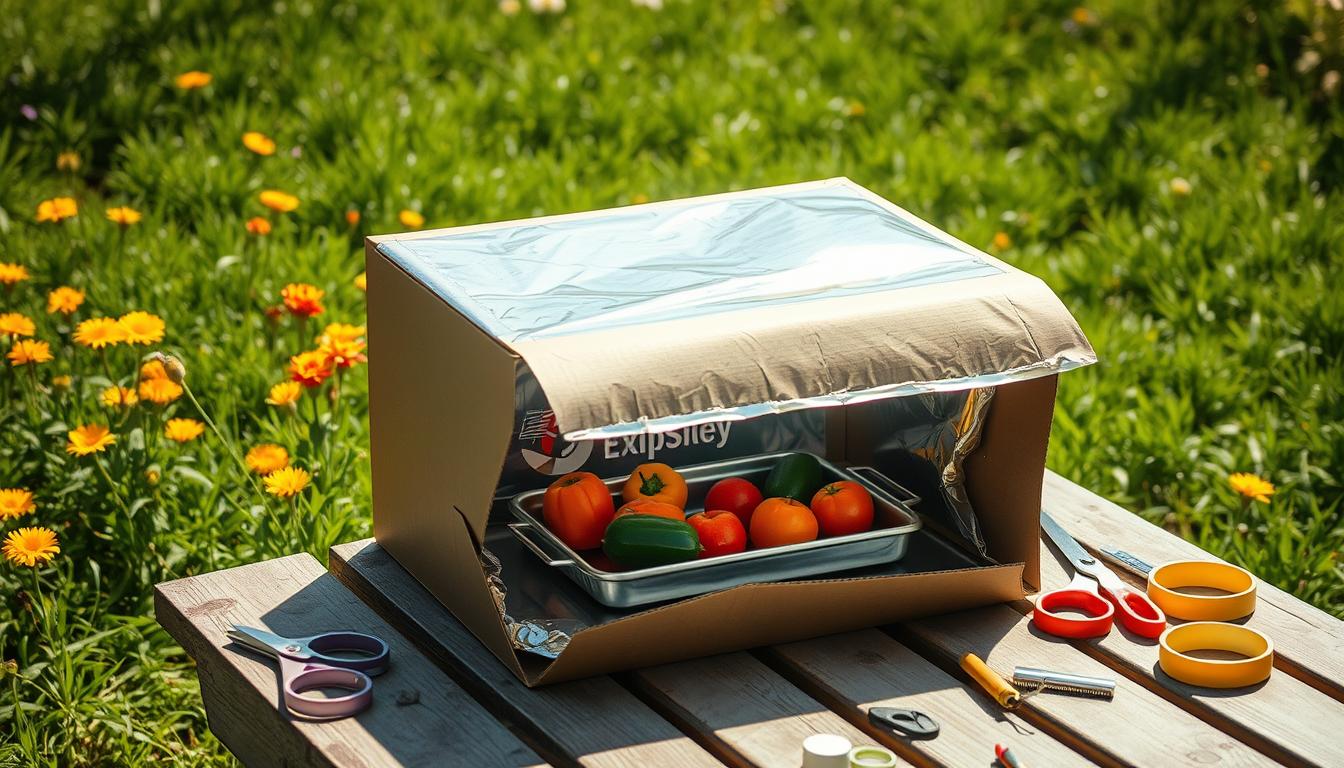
(645, 541)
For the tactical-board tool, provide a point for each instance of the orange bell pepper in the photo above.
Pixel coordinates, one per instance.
(577, 508)
(658, 482)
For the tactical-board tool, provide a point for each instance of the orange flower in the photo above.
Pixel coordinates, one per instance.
(362, 281)
(11, 273)
(29, 352)
(155, 384)
(89, 438)
(343, 343)
(31, 546)
(287, 482)
(57, 209)
(352, 218)
(123, 216)
(258, 226)
(311, 368)
(278, 201)
(15, 324)
(1002, 241)
(190, 81)
(265, 458)
(99, 332)
(141, 327)
(183, 430)
(15, 502)
(412, 219)
(119, 397)
(69, 160)
(64, 300)
(259, 142)
(285, 393)
(1251, 486)
(302, 299)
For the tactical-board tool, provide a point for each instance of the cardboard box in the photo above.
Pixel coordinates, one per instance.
(780, 311)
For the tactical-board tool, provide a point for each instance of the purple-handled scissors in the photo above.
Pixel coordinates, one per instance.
(307, 663)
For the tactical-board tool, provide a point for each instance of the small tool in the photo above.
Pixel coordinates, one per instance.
(307, 663)
(1166, 582)
(1033, 680)
(1091, 582)
(993, 683)
(907, 722)
(1005, 757)
(1256, 650)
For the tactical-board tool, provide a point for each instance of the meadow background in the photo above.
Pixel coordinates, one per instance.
(1172, 170)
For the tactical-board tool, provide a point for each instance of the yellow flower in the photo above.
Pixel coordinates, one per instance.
(1180, 187)
(412, 219)
(303, 299)
(343, 343)
(141, 327)
(64, 300)
(639, 198)
(362, 281)
(1002, 241)
(118, 397)
(190, 81)
(123, 215)
(31, 546)
(11, 273)
(68, 160)
(62, 381)
(855, 108)
(285, 393)
(342, 332)
(183, 430)
(15, 502)
(89, 438)
(57, 209)
(258, 226)
(1083, 17)
(99, 332)
(1251, 486)
(155, 384)
(287, 482)
(259, 142)
(278, 201)
(15, 324)
(311, 368)
(27, 351)
(267, 458)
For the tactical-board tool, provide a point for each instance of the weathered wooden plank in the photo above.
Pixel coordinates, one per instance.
(1138, 727)
(595, 722)
(1284, 717)
(748, 713)
(854, 672)
(1308, 643)
(295, 596)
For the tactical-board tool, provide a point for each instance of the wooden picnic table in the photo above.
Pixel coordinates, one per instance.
(448, 701)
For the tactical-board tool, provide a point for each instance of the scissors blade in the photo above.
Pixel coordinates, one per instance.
(1079, 558)
(260, 640)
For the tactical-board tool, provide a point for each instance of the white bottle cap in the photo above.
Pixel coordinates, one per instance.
(826, 750)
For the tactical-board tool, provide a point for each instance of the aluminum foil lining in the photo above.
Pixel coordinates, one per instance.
(543, 637)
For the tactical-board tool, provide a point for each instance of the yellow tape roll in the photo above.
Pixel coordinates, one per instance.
(1165, 579)
(1175, 644)
(993, 683)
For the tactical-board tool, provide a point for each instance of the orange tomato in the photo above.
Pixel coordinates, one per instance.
(578, 507)
(651, 507)
(780, 521)
(720, 532)
(843, 508)
(658, 482)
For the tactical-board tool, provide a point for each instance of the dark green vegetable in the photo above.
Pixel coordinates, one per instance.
(796, 476)
(644, 541)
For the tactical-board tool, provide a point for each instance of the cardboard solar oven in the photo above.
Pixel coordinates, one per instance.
(705, 333)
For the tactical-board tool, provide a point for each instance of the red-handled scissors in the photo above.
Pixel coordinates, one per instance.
(1092, 582)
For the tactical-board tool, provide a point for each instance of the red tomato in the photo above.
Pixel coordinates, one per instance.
(843, 508)
(736, 495)
(720, 532)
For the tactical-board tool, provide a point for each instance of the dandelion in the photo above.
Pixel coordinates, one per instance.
(16, 324)
(68, 160)
(1251, 486)
(119, 397)
(183, 430)
(190, 81)
(287, 482)
(362, 281)
(15, 502)
(1002, 241)
(31, 546)
(11, 273)
(412, 219)
(267, 458)
(123, 216)
(259, 143)
(99, 332)
(57, 209)
(510, 7)
(155, 384)
(311, 368)
(258, 226)
(29, 352)
(1180, 187)
(352, 218)
(141, 327)
(64, 300)
(89, 438)
(278, 201)
(302, 299)
(285, 393)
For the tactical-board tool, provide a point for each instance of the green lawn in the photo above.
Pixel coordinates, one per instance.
(1175, 175)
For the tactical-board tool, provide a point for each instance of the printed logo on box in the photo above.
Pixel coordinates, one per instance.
(557, 455)
(553, 455)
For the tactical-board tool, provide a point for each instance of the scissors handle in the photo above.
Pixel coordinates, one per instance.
(300, 678)
(1080, 595)
(1135, 611)
(373, 652)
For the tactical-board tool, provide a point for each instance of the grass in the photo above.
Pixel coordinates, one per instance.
(1173, 172)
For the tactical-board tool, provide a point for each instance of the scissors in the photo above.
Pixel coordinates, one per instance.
(306, 664)
(1092, 582)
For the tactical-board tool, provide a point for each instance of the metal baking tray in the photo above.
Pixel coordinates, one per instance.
(893, 522)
